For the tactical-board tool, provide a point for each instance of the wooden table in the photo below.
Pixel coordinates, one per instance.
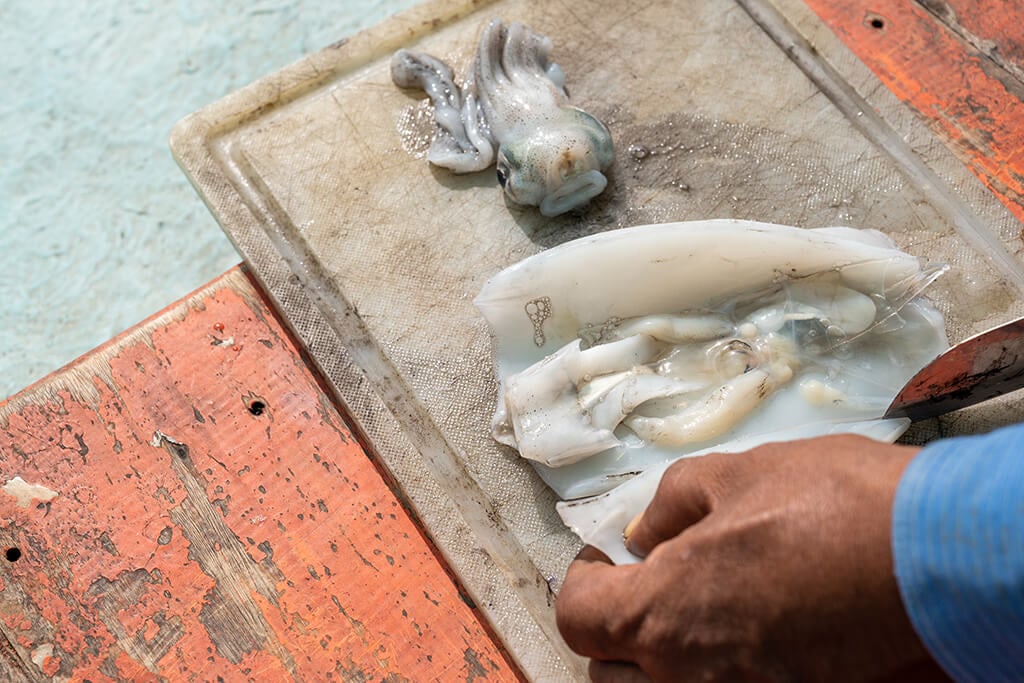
(204, 510)
(187, 502)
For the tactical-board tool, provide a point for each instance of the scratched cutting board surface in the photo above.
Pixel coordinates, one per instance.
(318, 174)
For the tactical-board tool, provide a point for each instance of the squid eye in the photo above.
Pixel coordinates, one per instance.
(502, 176)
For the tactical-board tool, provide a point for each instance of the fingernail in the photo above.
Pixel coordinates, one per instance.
(631, 527)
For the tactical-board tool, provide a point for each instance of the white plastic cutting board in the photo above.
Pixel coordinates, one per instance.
(318, 174)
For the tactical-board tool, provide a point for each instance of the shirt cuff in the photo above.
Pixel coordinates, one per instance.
(958, 549)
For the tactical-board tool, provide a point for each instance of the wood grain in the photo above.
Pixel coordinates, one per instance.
(985, 26)
(958, 63)
(215, 519)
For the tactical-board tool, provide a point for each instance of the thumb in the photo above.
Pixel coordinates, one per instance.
(683, 498)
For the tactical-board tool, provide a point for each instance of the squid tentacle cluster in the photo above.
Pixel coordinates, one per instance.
(513, 111)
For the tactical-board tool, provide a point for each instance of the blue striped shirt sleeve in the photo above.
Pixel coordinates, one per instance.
(958, 548)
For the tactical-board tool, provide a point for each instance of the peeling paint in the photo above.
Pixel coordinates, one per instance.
(24, 493)
(41, 654)
(85, 387)
(151, 573)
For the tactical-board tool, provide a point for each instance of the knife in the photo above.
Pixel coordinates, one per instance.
(981, 367)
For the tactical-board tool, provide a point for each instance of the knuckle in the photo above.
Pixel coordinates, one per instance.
(678, 477)
(696, 476)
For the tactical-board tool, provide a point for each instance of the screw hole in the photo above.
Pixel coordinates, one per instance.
(877, 23)
(257, 407)
(13, 554)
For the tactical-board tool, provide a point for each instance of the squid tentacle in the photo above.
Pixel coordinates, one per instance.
(463, 143)
(525, 56)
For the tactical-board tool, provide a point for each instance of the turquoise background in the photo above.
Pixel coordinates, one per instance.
(98, 226)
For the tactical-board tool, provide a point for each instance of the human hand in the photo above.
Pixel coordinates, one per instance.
(770, 565)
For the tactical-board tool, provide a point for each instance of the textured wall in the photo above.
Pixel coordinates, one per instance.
(98, 227)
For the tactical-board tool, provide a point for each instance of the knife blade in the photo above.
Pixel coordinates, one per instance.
(981, 367)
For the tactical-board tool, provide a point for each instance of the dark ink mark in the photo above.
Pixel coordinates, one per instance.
(83, 450)
(13, 554)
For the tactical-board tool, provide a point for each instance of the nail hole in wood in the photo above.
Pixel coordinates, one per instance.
(12, 554)
(257, 407)
(875, 21)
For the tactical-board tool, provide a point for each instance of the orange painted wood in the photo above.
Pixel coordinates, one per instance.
(215, 520)
(987, 24)
(970, 94)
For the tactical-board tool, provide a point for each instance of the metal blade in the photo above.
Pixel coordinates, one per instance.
(984, 366)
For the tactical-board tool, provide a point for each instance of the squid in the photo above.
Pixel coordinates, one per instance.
(513, 112)
(621, 351)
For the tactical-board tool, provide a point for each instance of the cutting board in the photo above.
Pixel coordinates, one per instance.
(744, 109)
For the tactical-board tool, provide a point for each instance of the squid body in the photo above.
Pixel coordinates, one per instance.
(619, 352)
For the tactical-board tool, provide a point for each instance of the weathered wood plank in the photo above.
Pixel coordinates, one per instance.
(985, 26)
(968, 96)
(214, 516)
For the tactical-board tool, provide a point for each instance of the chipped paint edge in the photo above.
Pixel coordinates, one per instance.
(94, 366)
